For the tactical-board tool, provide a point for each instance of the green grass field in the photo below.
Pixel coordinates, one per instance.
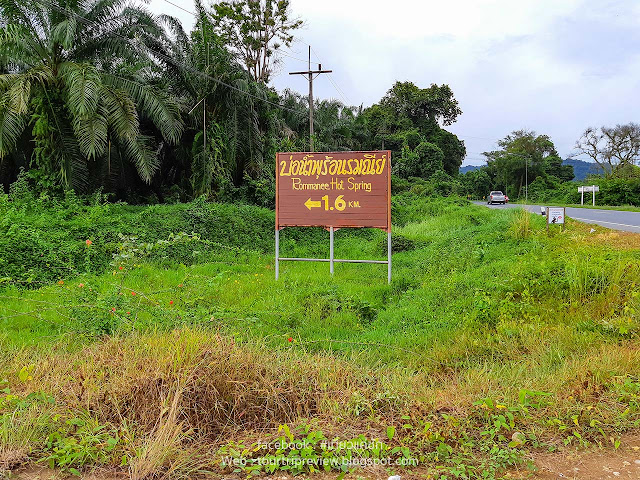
(167, 332)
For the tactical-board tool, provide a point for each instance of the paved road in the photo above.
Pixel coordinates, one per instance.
(614, 219)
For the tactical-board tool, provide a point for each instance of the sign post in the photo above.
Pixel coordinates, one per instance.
(556, 216)
(593, 189)
(333, 190)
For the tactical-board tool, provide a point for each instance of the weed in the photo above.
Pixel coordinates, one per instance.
(521, 226)
(83, 441)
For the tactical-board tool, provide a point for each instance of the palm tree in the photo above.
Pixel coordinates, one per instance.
(221, 91)
(78, 81)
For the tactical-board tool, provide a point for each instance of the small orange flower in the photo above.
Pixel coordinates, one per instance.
(113, 309)
(133, 293)
(170, 302)
(88, 242)
(290, 339)
(80, 285)
(120, 268)
(61, 282)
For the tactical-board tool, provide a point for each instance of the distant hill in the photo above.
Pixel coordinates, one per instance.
(581, 169)
(469, 168)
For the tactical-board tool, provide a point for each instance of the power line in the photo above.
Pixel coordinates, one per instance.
(181, 8)
(167, 58)
(290, 56)
(337, 90)
(335, 85)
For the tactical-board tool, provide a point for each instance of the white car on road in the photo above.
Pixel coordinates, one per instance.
(496, 197)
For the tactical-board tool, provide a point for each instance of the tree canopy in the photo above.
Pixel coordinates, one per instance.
(76, 90)
(408, 116)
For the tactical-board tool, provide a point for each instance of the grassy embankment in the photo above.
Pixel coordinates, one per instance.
(493, 341)
(619, 208)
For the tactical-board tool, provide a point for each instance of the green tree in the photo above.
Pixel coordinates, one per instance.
(81, 87)
(408, 115)
(424, 161)
(476, 183)
(422, 105)
(554, 167)
(255, 30)
(453, 149)
(231, 132)
(524, 156)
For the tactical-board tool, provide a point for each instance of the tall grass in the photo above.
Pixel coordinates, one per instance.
(521, 226)
(193, 343)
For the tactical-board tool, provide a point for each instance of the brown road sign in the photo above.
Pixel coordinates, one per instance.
(334, 189)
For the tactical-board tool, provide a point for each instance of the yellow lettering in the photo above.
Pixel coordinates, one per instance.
(356, 186)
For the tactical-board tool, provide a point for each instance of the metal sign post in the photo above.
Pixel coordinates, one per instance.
(331, 250)
(333, 190)
(593, 189)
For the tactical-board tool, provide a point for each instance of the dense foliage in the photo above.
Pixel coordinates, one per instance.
(77, 91)
(105, 95)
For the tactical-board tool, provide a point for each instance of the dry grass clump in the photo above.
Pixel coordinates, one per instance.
(11, 458)
(165, 452)
(224, 386)
(182, 394)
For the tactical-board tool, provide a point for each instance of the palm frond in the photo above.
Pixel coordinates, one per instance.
(12, 125)
(7, 80)
(102, 10)
(18, 47)
(140, 154)
(154, 104)
(120, 112)
(83, 87)
(72, 168)
(91, 132)
(175, 27)
(65, 32)
(122, 118)
(92, 48)
(19, 94)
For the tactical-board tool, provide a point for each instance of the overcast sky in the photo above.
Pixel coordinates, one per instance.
(553, 66)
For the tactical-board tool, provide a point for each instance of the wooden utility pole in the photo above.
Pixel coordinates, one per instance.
(310, 73)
